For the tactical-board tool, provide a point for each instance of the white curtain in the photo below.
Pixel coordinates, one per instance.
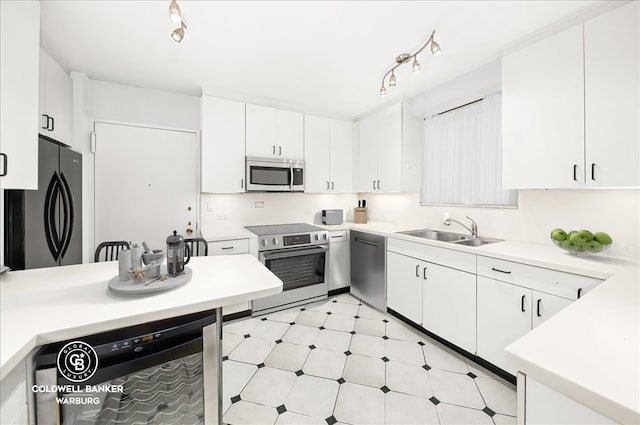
(462, 157)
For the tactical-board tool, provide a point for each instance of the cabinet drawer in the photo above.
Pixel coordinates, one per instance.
(567, 285)
(338, 236)
(446, 257)
(233, 246)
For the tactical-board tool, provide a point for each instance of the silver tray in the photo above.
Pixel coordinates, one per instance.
(150, 284)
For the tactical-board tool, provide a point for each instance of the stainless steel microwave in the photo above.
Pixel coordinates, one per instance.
(275, 175)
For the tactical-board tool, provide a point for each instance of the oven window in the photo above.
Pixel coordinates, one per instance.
(298, 271)
(169, 393)
(270, 176)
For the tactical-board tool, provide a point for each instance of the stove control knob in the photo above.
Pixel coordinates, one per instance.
(265, 242)
(324, 236)
(275, 241)
(317, 237)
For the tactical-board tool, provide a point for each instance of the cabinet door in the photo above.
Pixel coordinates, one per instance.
(612, 91)
(367, 154)
(501, 319)
(449, 305)
(404, 286)
(19, 56)
(545, 306)
(543, 113)
(223, 151)
(58, 102)
(389, 142)
(338, 261)
(261, 139)
(317, 154)
(290, 135)
(342, 135)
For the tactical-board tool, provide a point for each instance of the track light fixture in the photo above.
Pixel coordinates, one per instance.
(406, 57)
(176, 16)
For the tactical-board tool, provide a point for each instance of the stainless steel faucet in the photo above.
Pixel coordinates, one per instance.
(474, 226)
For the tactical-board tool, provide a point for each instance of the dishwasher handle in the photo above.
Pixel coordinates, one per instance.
(366, 242)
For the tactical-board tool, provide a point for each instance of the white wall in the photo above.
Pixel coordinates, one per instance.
(230, 211)
(616, 212)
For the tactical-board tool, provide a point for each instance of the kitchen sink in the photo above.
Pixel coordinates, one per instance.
(451, 237)
(436, 235)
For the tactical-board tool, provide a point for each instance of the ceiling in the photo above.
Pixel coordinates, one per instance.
(322, 57)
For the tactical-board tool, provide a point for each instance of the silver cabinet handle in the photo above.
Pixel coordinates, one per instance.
(327, 185)
(4, 164)
(575, 169)
(226, 247)
(274, 149)
(593, 171)
(418, 270)
(241, 183)
(424, 273)
(378, 184)
(374, 185)
(280, 150)
(332, 185)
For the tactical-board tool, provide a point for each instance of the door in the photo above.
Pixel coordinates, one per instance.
(449, 305)
(342, 156)
(317, 154)
(145, 183)
(612, 97)
(504, 315)
(404, 286)
(223, 152)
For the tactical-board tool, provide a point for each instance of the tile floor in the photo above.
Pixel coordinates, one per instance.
(341, 361)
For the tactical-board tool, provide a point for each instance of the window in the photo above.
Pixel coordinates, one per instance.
(462, 157)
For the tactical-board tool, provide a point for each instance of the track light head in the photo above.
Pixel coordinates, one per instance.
(383, 91)
(178, 33)
(416, 66)
(435, 48)
(392, 79)
(174, 12)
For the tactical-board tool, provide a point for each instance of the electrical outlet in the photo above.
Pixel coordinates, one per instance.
(221, 217)
(259, 204)
(209, 206)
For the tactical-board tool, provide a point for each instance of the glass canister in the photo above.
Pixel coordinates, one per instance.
(177, 250)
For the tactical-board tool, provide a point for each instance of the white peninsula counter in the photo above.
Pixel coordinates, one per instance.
(43, 306)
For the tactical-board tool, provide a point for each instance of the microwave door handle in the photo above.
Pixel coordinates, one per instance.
(291, 178)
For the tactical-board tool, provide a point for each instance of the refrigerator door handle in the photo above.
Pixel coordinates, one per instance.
(50, 225)
(67, 217)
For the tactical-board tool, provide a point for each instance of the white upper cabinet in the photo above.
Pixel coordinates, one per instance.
(570, 106)
(19, 55)
(328, 148)
(543, 113)
(388, 151)
(612, 91)
(56, 100)
(274, 133)
(223, 149)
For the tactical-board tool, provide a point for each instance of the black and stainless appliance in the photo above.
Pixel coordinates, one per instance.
(274, 175)
(151, 373)
(43, 228)
(299, 255)
(368, 279)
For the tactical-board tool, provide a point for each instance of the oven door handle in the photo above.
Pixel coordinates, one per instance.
(293, 253)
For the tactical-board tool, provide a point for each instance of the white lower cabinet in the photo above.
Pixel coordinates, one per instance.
(434, 287)
(13, 397)
(449, 305)
(404, 286)
(544, 405)
(231, 247)
(514, 298)
(338, 259)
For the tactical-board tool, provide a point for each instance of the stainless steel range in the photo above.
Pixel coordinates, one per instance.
(299, 255)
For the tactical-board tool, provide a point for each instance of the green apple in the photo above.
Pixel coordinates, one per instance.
(577, 237)
(587, 235)
(593, 246)
(571, 233)
(602, 237)
(558, 235)
(571, 245)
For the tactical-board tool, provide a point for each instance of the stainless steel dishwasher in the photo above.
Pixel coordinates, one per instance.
(368, 259)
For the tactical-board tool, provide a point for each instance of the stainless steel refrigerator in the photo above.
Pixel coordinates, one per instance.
(43, 228)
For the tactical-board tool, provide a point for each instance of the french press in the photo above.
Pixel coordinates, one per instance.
(176, 250)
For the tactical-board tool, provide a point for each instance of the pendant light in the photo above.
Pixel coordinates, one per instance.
(406, 57)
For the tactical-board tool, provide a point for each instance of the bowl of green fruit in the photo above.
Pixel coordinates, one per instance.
(581, 242)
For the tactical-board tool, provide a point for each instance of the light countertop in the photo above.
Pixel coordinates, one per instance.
(47, 305)
(589, 351)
